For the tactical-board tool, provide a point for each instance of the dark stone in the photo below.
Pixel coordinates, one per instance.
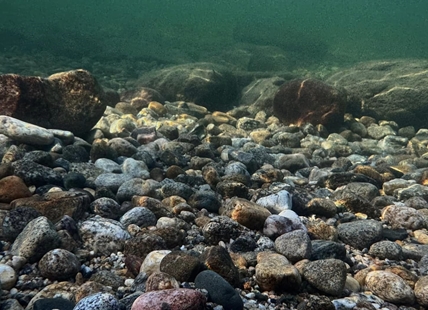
(221, 228)
(53, 303)
(310, 101)
(219, 290)
(205, 200)
(74, 180)
(216, 258)
(35, 174)
(70, 100)
(323, 249)
(360, 234)
(142, 245)
(395, 234)
(177, 189)
(243, 243)
(16, 221)
(75, 154)
(181, 265)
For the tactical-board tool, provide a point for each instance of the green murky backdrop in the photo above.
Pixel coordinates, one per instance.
(178, 31)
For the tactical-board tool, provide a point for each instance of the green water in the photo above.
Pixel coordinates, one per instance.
(178, 31)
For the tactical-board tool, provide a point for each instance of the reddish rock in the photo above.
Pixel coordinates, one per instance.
(310, 101)
(11, 188)
(172, 299)
(70, 100)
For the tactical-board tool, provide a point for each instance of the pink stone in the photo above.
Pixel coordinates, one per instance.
(173, 299)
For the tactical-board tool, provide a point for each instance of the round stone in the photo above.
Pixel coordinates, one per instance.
(59, 264)
(8, 277)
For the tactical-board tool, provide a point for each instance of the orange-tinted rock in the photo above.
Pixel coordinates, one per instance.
(70, 100)
(11, 188)
(310, 101)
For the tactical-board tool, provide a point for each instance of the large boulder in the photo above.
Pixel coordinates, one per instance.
(72, 100)
(206, 84)
(310, 101)
(394, 90)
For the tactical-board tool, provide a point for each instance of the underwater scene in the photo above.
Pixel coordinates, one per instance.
(209, 155)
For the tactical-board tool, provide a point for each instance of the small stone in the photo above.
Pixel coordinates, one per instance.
(98, 301)
(11, 188)
(219, 290)
(217, 259)
(152, 261)
(421, 291)
(205, 200)
(221, 228)
(59, 264)
(103, 236)
(327, 275)
(181, 265)
(386, 249)
(291, 162)
(174, 299)
(276, 203)
(141, 245)
(294, 245)
(107, 278)
(323, 249)
(139, 216)
(246, 213)
(37, 238)
(158, 281)
(360, 234)
(74, 180)
(322, 207)
(403, 217)
(275, 272)
(8, 277)
(389, 287)
(276, 225)
(106, 207)
(53, 303)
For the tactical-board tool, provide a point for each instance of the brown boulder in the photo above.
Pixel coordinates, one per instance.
(310, 101)
(11, 188)
(72, 100)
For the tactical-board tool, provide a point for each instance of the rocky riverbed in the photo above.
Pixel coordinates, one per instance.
(167, 205)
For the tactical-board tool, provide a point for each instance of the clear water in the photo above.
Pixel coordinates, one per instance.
(177, 31)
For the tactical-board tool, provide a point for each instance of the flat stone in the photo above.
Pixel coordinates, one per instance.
(174, 299)
(360, 234)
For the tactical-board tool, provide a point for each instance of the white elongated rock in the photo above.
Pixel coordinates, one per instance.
(24, 132)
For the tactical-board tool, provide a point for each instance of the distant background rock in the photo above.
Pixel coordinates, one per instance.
(72, 100)
(394, 90)
(206, 84)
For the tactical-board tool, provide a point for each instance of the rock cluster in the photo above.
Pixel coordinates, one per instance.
(172, 206)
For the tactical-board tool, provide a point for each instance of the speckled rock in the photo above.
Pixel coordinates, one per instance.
(103, 236)
(421, 291)
(246, 213)
(135, 168)
(158, 281)
(152, 261)
(174, 299)
(276, 203)
(53, 303)
(37, 238)
(295, 219)
(360, 234)
(400, 216)
(36, 174)
(122, 147)
(13, 187)
(389, 287)
(108, 165)
(24, 132)
(107, 278)
(412, 191)
(141, 245)
(139, 216)
(65, 290)
(99, 301)
(327, 275)
(59, 264)
(106, 207)
(386, 249)
(137, 187)
(294, 245)
(219, 290)
(16, 220)
(221, 228)
(205, 200)
(275, 272)
(181, 265)
(8, 277)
